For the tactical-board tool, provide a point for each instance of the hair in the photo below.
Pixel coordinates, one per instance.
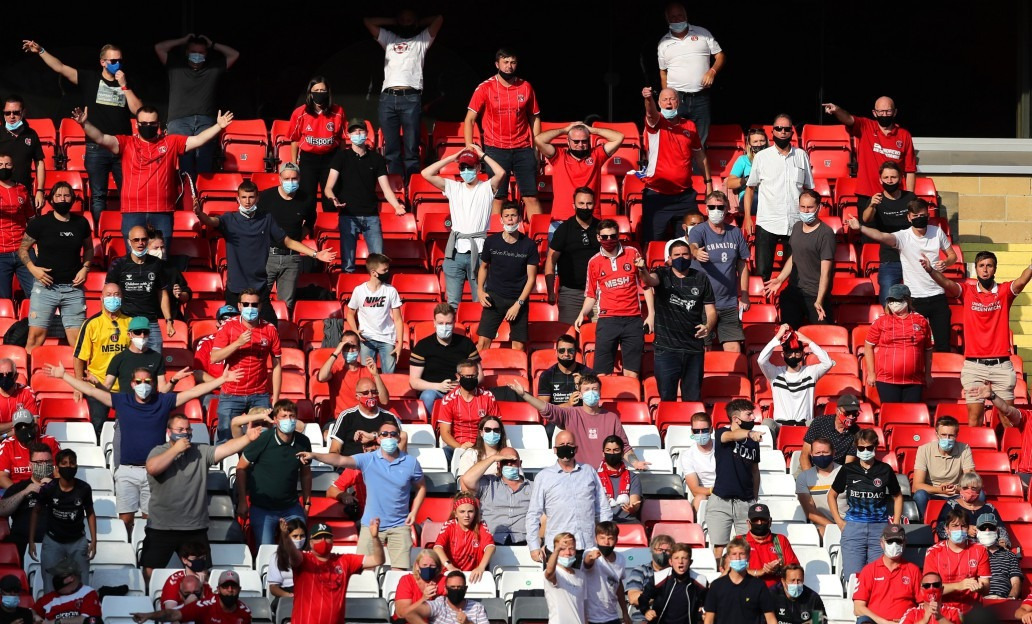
(738, 542)
(868, 435)
(587, 378)
(14, 98)
(390, 422)
(754, 131)
(783, 116)
(309, 104)
(660, 539)
(456, 574)
(290, 166)
(916, 205)
(505, 53)
(110, 283)
(812, 194)
(147, 108)
(64, 454)
(62, 185)
(823, 441)
(582, 128)
(561, 536)
(890, 164)
(426, 552)
(195, 548)
(682, 547)
(107, 48)
(195, 40)
(444, 309)
(970, 479)
(479, 445)
(508, 205)
(567, 339)
(476, 508)
(946, 421)
(982, 255)
(955, 514)
(283, 405)
(141, 369)
(174, 417)
(718, 195)
(376, 261)
(607, 528)
(701, 416)
(584, 190)
(249, 291)
(790, 567)
(465, 364)
(677, 244)
(608, 224)
(931, 573)
(153, 232)
(247, 186)
(293, 524)
(614, 439)
(39, 447)
(738, 405)
(350, 333)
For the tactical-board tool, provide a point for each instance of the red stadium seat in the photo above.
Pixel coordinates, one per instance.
(197, 251)
(245, 146)
(683, 532)
(761, 313)
(991, 461)
(398, 226)
(632, 535)
(830, 164)
(413, 311)
(676, 413)
(944, 390)
(830, 387)
(508, 361)
(205, 284)
(416, 287)
(631, 412)
(73, 145)
(398, 386)
(947, 364)
(518, 413)
(307, 311)
(51, 354)
(829, 337)
(892, 414)
(978, 438)
(47, 132)
(726, 388)
(790, 438)
(410, 410)
(910, 436)
(62, 409)
(619, 387)
(655, 510)
(722, 362)
(852, 289)
(1002, 486)
(833, 136)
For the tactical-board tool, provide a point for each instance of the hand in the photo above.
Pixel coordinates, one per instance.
(983, 391)
(283, 528)
(575, 397)
(820, 311)
(32, 550)
(243, 509)
(755, 436)
(233, 376)
(39, 201)
(939, 265)
(871, 378)
(830, 108)
(76, 396)
(771, 288)
(170, 328)
(91, 550)
(701, 255)
(513, 312)
(552, 298)
(876, 198)
(31, 47)
(590, 556)
(79, 115)
(646, 92)
(485, 299)
(927, 266)
(253, 433)
(782, 330)
(224, 119)
(41, 276)
(90, 379)
(707, 78)
(853, 223)
(176, 291)
(181, 445)
(747, 226)
(650, 324)
(120, 78)
(466, 445)
(841, 524)
(629, 509)
(639, 263)
(476, 148)
(744, 304)
(365, 437)
(208, 39)
(140, 618)
(80, 277)
(410, 519)
(244, 338)
(701, 331)
(1027, 619)
(770, 566)
(446, 386)
(517, 387)
(475, 574)
(197, 207)
(399, 209)
(370, 364)
(580, 321)
(34, 488)
(537, 555)
(460, 615)
(429, 591)
(643, 465)
(650, 615)
(337, 202)
(325, 256)
(305, 457)
(56, 371)
(971, 584)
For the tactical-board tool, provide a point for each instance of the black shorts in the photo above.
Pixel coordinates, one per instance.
(625, 331)
(491, 319)
(523, 162)
(159, 545)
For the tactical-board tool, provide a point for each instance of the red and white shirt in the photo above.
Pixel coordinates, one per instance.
(15, 212)
(953, 567)
(210, 611)
(987, 320)
(615, 283)
(670, 146)
(506, 112)
(875, 147)
(569, 173)
(320, 588)
(352, 477)
(889, 593)
(170, 590)
(150, 177)
(251, 358)
(917, 614)
(463, 415)
(14, 457)
(19, 394)
(342, 384)
(774, 547)
(83, 601)
(202, 358)
(464, 547)
(318, 134)
(902, 343)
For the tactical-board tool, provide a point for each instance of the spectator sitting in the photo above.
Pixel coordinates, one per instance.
(963, 566)
(281, 581)
(798, 603)
(620, 484)
(504, 496)
(462, 408)
(349, 490)
(812, 485)
(190, 591)
(344, 373)
(1005, 565)
(434, 358)
(196, 565)
(661, 547)
(374, 311)
(903, 340)
(564, 583)
(10, 600)
(939, 465)
(13, 396)
(490, 439)
(453, 608)
(769, 552)
(792, 385)
(887, 586)
(355, 430)
(465, 543)
(971, 503)
(225, 607)
(72, 600)
(15, 451)
(178, 288)
(698, 463)
(930, 607)
(840, 428)
(68, 504)
(677, 597)
(421, 587)
(689, 221)
(558, 384)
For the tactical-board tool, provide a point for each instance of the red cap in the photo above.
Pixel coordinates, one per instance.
(468, 157)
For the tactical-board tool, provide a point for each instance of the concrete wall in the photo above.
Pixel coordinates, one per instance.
(987, 208)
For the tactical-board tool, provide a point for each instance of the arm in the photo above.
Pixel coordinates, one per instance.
(804, 457)
(54, 63)
(810, 509)
(550, 568)
(496, 170)
(447, 437)
(467, 126)
(953, 289)
(535, 402)
(199, 139)
(431, 173)
(231, 54)
(306, 486)
(470, 480)
(165, 615)
(287, 546)
(550, 261)
(824, 283)
(352, 319)
(417, 383)
(332, 459)
(485, 299)
(833, 506)
(921, 482)
(691, 480)
(1022, 280)
(10, 504)
(210, 222)
(399, 342)
(884, 238)
(277, 378)
(325, 372)
(662, 82)
(860, 609)
(543, 140)
(897, 512)
(843, 117)
(652, 115)
(40, 274)
(162, 48)
(107, 141)
(702, 164)
(80, 386)
(159, 463)
(241, 487)
(205, 388)
(613, 138)
(417, 502)
(649, 279)
(388, 193)
(236, 445)
(33, 522)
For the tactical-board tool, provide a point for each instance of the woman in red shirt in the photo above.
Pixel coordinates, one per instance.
(424, 584)
(903, 339)
(316, 133)
(465, 543)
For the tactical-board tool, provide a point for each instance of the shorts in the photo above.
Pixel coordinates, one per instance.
(729, 325)
(1001, 376)
(625, 331)
(521, 161)
(132, 492)
(570, 301)
(721, 513)
(159, 545)
(491, 319)
(71, 300)
(397, 541)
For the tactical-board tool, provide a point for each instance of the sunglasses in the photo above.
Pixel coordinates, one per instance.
(580, 140)
(365, 392)
(850, 414)
(936, 585)
(140, 381)
(492, 429)
(566, 350)
(704, 430)
(390, 434)
(466, 168)
(783, 128)
(229, 585)
(249, 304)
(608, 236)
(140, 332)
(16, 113)
(894, 541)
(139, 240)
(865, 447)
(146, 123)
(715, 206)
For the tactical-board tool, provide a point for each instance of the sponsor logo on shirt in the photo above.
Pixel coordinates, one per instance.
(375, 302)
(894, 154)
(617, 282)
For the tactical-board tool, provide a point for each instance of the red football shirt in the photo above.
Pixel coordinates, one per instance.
(917, 615)
(614, 281)
(202, 358)
(463, 415)
(318, 134)
(775, 547)
(953, 567)
(987, 320)
(342, 384)
(170, 590)
(889, 593)
(19, 394)
(670, 146)
(15, 212)
(875, 147)
(321, 587)
(465, 548)
(150, 179)
(408, 589)
(210, 611)
(251, 358)
(83, 601)
(505, 112)
(351, 477)
(14, 457)
(568, 174)
(902, 344)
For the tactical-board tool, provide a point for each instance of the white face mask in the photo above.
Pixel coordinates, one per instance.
(511, 228)
(988, 538)
(897, 307)
(865, 455)
(139, 343)
(444, 331)
(893, 550)
(157, 253)
(716, 217)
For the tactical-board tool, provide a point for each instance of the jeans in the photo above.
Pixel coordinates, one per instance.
(861, 544)
(156, 340)
(921, 498)
(696, 106)
(429, 397)
(659, 209)
(899, 393)
(399, 120)
(198, 160)
(54, 551)
(158, 220)
(283, 271)
(232, 405)
(889, 273)
(678, 368)
(265, 522)
(99, 163)
(763, 251)
(372, 348)
(11, 267)
(937, 310)
(350, 228)
(456, 271)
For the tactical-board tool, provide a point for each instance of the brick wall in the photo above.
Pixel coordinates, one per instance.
(988, 208)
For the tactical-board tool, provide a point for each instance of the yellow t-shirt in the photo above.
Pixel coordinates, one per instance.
(100, 340)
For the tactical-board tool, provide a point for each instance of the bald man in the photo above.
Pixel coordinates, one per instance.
(355, 430)
(504, 495)
(141, 277)
(673, 144)
(190, 590)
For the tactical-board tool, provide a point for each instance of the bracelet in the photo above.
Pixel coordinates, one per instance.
(333, 355)
(708, 180)
(126, 88)
(41, 51)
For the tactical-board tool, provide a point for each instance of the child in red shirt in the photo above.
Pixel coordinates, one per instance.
(464, 542)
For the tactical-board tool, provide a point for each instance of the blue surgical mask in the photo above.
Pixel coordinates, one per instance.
(247, 212)
(12, 127)
(957, 536)
(112, 304)
(794, 589)
(739, 565)
(290, 186)
(567, 562)
(678, 27)
(196, 58)
(865, 455)
(947, 445)
(351, 356)
(807, 217)
(113, 68)
(492, 438)
(249, 314)
(142, 390)
(512, 473)
(287, 425)
(139, 254)
(668, 113)
(389, 444)
(702, 439)
(591, 398)
(468, 175)
(357, 138)
(11, 602)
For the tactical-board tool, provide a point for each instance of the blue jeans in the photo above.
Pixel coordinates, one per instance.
(678, 368)
(861, 544)
(11, 267)
(156, 339)
(198, 160)
(232, 405)
(889, 273)
(99, 163)
(399, 120)
(456, 271)
(158, 220)
(372, 348)
(350, 228)
(265, 522)
(429, 397)
(696, 106)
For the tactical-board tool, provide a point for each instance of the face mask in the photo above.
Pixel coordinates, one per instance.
(14, 126)
(662, 559)
(175, 437)
(606, 550)
(196, 58)
(920, 222)
(567, 562)
(512, 473)
(957, 536)
(351, 356)
(890, 188)
(886, 122)
(507, 76)
(148, 133)
(585, 214)
(565, 452)
(614, 460)
(794, 590)
(986, 284)
(468, 175)
(456, 595)
(322, 547)
(62, 208)
(249, 314)
(142, 390)
(113, 68)
(7, 381)
(756, 149)
(782, 143)
(793, 361)
(389, 445)
(947, 445)
(112, 304)
(511, 228)
(469, 384)
(444, 332)
(11, 602)
(199, 564)
(247, 212)
(370, 403)
(716, 217)
(739, 565)
(299, 543)
(5, 174)
(747, 424)
(60, 582)
(897, 307)
(591, 398)
(682, 264)
(42, 470)
(357, 138)
(322, 98)
(760, 529)
(678, 27)
(290, 186)
(807, 217)
(702, 439)
(609, 245)
(988, 538)
(865, 455)
(139, 343)
(26, 434)
(428, 574)
(157, 253)
(668, 113)
(566, 362)
(492, 438)
(287, 425)
(139, 254)
(822, 461)
(229, 601)
(849, 421)
(893, 550)
(580, 154)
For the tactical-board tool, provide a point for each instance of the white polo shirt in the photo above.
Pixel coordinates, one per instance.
(911, 247)
(403, 58)
(687, 59)
(781, 178)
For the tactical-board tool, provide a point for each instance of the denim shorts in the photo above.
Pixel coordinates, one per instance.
(71, 300)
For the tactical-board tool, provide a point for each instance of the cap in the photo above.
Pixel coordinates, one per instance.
(759, 511)
(468, 157)
(320, 529)
(227, 310)
(357, 123)
(229, 576)
(897, 292)
(791, 342)
(894, 531)
(984, 519)
(848, 402)
(139, 323)
(23, 417)
(10, 584)
(65, 567)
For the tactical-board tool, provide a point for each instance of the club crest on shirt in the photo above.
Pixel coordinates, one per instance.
(695, 292)
(695, 37)
(400, 47)
(593, 434)
(28, 142)
(265, 342)
(906, 580)
(972, 563)
(589, 161)
(626, 267)
(877, 483)
(805, 615)
(899, 144)
(520, 97)
(329, 126)
(162, 149)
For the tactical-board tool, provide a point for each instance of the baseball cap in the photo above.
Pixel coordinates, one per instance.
(468, 157)
(23, 417)
(139, 323)
(894, 531)
(229, 576)
(357, 123)
(848, 402)
(897, 292)
(791, 342)
(10, 584)
(319, 530)
(986, 518)
(759, 511)
(227, 310)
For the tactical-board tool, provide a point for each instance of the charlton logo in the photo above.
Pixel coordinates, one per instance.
(590, 161)
(28, 142)
(162, 149)
(695, 38)
(329, 126)
(878, 483)
(899, 144)
(520, 98)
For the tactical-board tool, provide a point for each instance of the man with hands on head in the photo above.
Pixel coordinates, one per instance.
(577, 165)
(504, 495)
(344, 368)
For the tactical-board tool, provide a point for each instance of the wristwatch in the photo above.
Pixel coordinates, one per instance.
(520, 302)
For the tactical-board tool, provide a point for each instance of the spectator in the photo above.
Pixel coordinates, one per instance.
(868, 483)
(615, 276)
(769, 552)
(140, 355)
(1007, 577)
(888, 586)
(698, 464)
(344, 373)
(190, 592)
(510, 118)
(281, 582)
(504, 496)
(453, 608)
(113, 101)
(792, 385)
(465, 543)
(804, 300)
(939, 465)
(603, 577)
(565, 591)
(469, 205)
(904, 341)
(15, 451)
(720, 251)
(929, 609)
(405, 39)
(191, 583)
(15, 212)
(144, 291)
(921, 241)
(812, 485)
(250, 235)
(674, 144)
(351, 185)
(686, 314)
(226, 606)
(738, 596)
(506, 277)
(268, 472)
(737, 482)
(462, 408)
(355, 430)
(11, 590)
(64, 252)
(204, 368)
(799, 603)
(491, 439)
(974, 507)
(374, 312)
(756, 139)
(571, 495)
(963, 566)
(578, 165)
(781, 173)
(621, 486)
(293, 211)
(13, 396)
(68, 504)
(434, 358)
(317, 129)
(681, 232)
(193, 78)
(684, 66)
(662, 547)
(570, 248)
(679, 597)
(19, 499)
(72, 599)
(558, 383)
(419, 588)
(151, 183)
(391, 477)
(887, 212)
(349, 490)
(839, 428)
(23, 145)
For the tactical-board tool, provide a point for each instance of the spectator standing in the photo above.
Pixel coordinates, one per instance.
(799, 603)
(103, 336)
(939, 465)
(71, 599)
(317, 129)
(738, 596)
(144, 291)
(737, 482)
(434, 359)
(223, 607)
(204, 369)
(465, 543)
(16, 450)
(622, 487)
(756, 141)
(16, 209)
(963, 566)
(508, 268)
(342, 370)
(68, 503)
(603, 577)
(14, 396)
(356, 429)
(1005, 565)
(565, 590)
(769, 553)
(572, 245)
(839, 428)
(685, 57)
(929, 608)
(463, 408)
(792, 385)
(19, 499)
(812, 485)
(453, 607)
(558, 383)
(504, 495)
(193, 79)
(698, 464)
(888, 586)
(903, 339)
(22, 143)
(678, 596)
(578, 165)
(293, 210)
(374, 312)
(887, 212)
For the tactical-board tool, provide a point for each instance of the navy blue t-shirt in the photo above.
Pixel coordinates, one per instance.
(734, 462)
(507, 274)
(142, 425)
(247, 247)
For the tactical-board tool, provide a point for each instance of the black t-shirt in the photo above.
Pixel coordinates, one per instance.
(744, 603)
(557, 385)
(891, 216)
(808, 608)
(290, 214)
(109, 110)
(356, 181)
(680, 306)
(59, 244)
(24, 148)
(21, 516)
(247, 247)
(867, 490)
(192, 91)
(734, 461)
(576, 246)
(438, 360)
(843, 444)
(141, 285)
(352, 420)
(123, 365)
(507, 274)
(22, 614)
(66, 511)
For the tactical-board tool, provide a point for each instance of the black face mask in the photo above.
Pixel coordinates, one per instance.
(886, 122)
(782, 143)
(7, 381)
(614, 460)
(606, 550)
(62, 208)
(920, 222)
(229, 601)
(67, 472)
(793, 361)
(469, 384)
(585, 214)
(662, 559)
(566, 362)
(507, 76)
(322, 98)
(747, 424)
(456, 595)
(198, 565)
(565, 452)
(890, 188)
(147, 133)
(760, 530)
(756, 149)
(580, 154)
(6, 173)
(986, 284)
(25, 433)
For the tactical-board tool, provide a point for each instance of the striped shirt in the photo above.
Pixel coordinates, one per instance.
(251, 358)
(15, 212)
(317, 134)
(150, 181)
(793, 391)
(902, 343)
(505, 112)
(1005, 566)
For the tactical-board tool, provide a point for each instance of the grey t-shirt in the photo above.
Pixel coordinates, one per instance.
(808, 250)
(817, 485)
(179, 496)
